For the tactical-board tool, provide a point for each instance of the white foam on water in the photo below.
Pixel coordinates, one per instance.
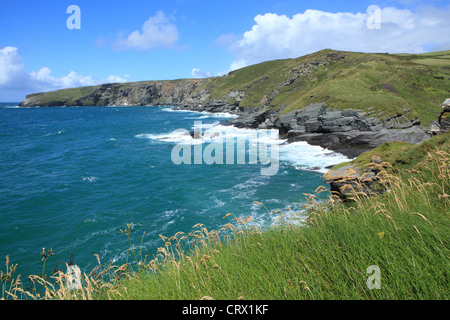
(167, 109)
(212, 132)
(246, 189)
(203, 114)
(216, 133)
(90, 179)
(55, 133)
(177, 136)
(292, 214)
(219, 114)
(196, 118)
(305, 156)
(301, 155)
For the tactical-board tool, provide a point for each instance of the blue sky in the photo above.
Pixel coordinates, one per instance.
(154, 40)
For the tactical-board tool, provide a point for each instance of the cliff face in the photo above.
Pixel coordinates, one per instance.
(132, 94)
(345, 101)
(349, 131)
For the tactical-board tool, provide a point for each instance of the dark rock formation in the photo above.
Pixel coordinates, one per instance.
(172, 93)
(350, 180)
(444, 120)
(349, 132)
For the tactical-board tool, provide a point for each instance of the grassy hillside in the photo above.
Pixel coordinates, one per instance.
(384, 84)
(379, 83)
(65, 94)
(440, 58)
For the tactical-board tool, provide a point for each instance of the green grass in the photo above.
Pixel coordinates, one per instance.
(440, 58)
(384, 84)
(328, 261)
(66, 95)
(411, 84)
(402, 155)
(404, 232)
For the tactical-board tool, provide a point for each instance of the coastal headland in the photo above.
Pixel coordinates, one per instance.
(347, 102)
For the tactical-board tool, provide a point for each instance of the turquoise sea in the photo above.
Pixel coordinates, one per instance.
(71, 178)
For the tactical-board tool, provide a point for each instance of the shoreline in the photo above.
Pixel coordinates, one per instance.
(348, 132)
(286, 154)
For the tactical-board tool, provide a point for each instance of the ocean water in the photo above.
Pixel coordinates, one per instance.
(71, 178)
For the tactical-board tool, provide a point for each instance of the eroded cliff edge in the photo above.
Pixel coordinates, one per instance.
(344, 101)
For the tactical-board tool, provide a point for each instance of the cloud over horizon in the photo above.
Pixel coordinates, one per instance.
(15, 79)
(278, 36)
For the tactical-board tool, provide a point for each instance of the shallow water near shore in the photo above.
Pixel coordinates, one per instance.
(71, 178)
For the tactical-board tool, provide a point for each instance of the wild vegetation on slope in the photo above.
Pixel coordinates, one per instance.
(403, 234)
(382, 84)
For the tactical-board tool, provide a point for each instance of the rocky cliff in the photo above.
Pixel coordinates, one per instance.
(345, 101)
(130, 94)
(349, 131)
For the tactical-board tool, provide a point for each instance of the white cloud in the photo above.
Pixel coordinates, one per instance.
(12, 71)
(278, 36)
(44, 79)
(197, 73)
(117, 79)
(14, 78)
(157, 32)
